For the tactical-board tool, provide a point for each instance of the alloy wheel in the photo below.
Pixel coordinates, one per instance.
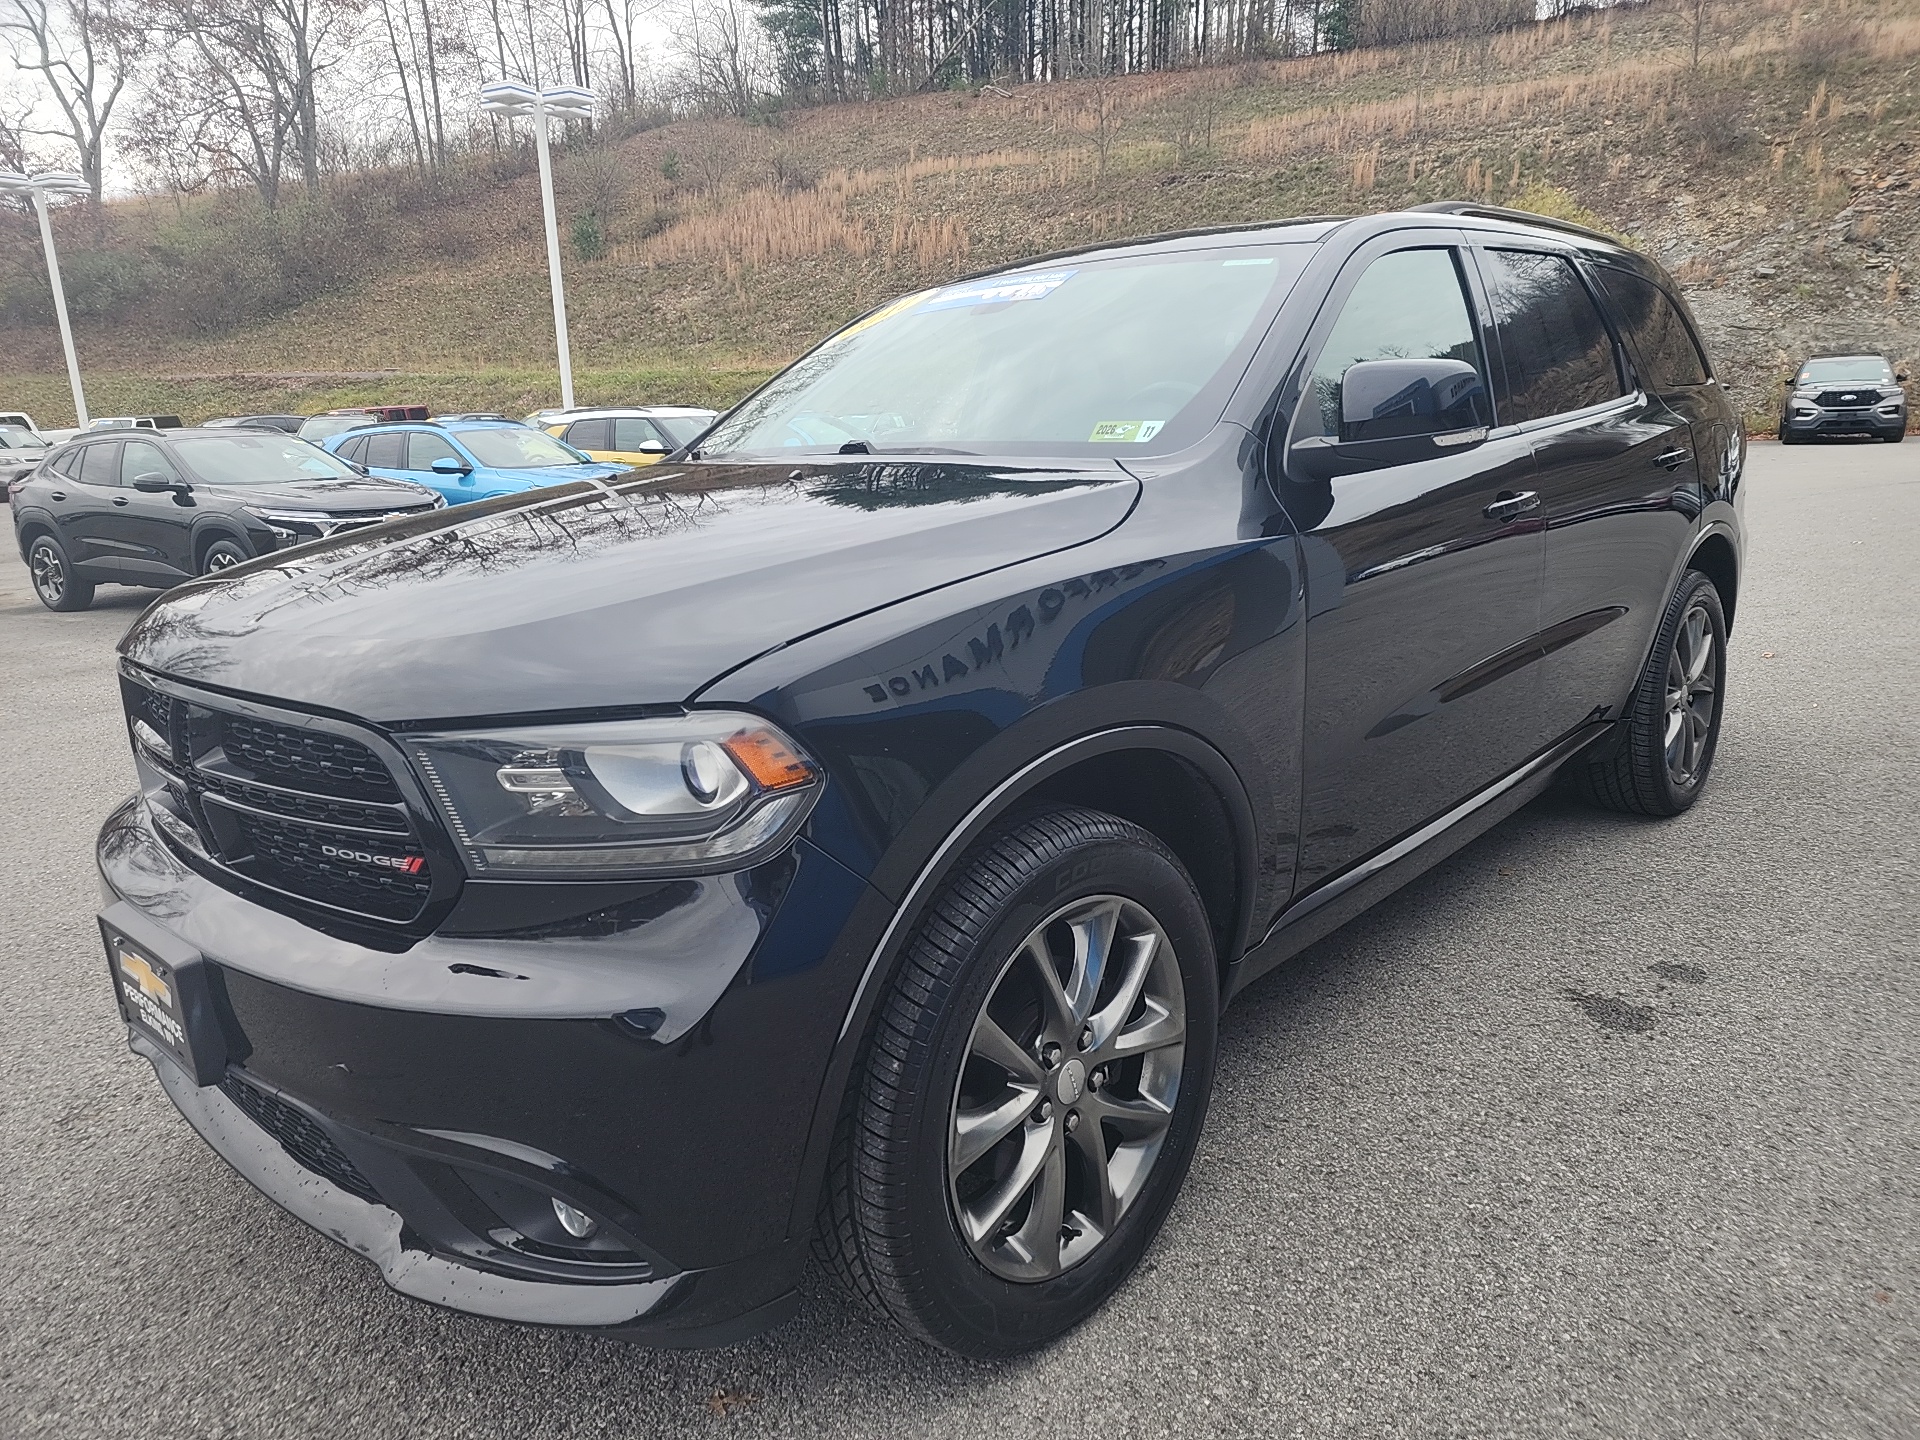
(1691, 686)
(49, 573)
(1068, 1086)
(221, 560)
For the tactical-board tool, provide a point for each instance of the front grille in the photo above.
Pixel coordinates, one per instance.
(1859, 399)
(308, 813)
(299, 1134)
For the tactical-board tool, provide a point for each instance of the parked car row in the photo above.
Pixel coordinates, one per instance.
(111, 507)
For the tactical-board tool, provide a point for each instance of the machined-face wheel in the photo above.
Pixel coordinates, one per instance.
(49, 572)
(1690, 697)
(223, 555)
(1071, 1076)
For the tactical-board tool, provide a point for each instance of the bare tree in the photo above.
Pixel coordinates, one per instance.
(80, 50)
(724, 51)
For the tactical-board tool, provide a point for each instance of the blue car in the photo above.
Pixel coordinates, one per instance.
(467, 459)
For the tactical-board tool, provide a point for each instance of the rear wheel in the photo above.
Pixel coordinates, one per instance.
(53, 578)
(1672, 725)
(1034, 1089)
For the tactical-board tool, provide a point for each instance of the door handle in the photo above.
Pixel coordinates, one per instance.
(120, 500)
(1507, 504)
(1673, 459)
(57, 495)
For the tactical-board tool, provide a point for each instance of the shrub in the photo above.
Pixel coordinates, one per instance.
(589, 238)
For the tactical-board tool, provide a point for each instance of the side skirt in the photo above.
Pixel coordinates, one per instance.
(1339, 898)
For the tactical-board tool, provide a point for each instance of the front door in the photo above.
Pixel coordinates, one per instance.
(1423, 580)
(156, 530)
(1618, 480)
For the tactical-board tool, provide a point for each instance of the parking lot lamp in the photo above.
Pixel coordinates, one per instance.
(568, 102)
(38, 188)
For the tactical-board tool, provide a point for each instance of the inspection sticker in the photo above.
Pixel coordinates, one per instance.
(1126, 432)
(1036, 286)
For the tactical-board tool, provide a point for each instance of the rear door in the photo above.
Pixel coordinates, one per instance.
(386, 454)
(1616, 476)
(83, 506)
(593, 436)
(1423, 579)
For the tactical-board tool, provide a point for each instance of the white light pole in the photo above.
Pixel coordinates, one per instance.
(569, 102)
(39, 187)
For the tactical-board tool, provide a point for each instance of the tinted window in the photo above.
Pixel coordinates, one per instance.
(423, 449)
(1661, 339)
(1559, 355)
(631, 433)
(387, 452)
(100, 465)
(67, 464)
(143, 457)
(1408, 306)
(353, 449)
(591, 434)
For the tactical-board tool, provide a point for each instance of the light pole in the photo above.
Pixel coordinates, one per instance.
(39, 187)
(569, 102)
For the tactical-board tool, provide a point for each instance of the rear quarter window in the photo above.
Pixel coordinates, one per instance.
(1663, 344)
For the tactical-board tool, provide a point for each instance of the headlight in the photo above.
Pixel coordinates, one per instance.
(689, 794)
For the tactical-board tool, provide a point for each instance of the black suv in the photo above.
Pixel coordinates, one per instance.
(156, 509)
(849, 830)
(1844, 395)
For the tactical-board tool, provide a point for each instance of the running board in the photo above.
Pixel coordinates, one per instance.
(1336, 900)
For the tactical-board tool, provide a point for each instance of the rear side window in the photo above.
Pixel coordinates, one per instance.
(1557, 349)
(591, 435)
(1662, 341)
(423, 449)
(100, 465)
(67, 464)
(352, 450)
(1407, 306)
(143, 457)
(387, 452)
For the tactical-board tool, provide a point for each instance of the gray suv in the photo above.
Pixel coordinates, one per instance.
(1844, 395)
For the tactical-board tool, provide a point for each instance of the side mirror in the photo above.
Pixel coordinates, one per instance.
(1900, 378)
(650, 447)
(357, 467)
(451, 465)
(154, 483)
(1397, 412)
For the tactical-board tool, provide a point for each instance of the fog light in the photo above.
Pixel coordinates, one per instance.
(576, 1223)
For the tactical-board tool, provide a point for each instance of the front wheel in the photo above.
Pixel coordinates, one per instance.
(1672, 725)
(1034, 1089)
(223, 555)
(53, 578)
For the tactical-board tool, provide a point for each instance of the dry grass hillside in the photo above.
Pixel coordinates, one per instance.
(1779, 179)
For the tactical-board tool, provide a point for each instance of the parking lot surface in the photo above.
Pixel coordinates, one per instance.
(1603, 1127)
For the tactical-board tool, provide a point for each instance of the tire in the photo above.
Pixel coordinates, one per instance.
(53, 578)
(223, 555)
(1672, 725)
(1895, 438)
(964, 1033)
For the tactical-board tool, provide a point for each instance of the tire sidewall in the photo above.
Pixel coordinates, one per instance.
(241, 557)
(1002, 1316)
(1697, 588)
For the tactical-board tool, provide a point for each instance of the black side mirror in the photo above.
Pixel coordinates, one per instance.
(449, 465)
(1900, 378)
(154, 483)
(1396, 412)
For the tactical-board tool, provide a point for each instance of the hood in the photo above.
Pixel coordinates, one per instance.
(332, 497)
(582, 596)
(546, 476)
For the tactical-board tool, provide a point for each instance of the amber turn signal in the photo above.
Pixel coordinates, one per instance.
(768, 759)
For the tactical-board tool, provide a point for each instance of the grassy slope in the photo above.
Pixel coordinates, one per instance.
(1780, 181)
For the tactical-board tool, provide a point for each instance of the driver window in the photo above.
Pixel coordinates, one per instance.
(1409, 305)
(143, 457)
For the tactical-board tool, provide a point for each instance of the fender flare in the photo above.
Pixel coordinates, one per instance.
(884, 955)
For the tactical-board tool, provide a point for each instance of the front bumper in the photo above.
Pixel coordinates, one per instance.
(1844, 422)
(428, 1131)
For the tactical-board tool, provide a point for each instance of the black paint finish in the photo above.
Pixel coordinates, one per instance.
(1308, 687)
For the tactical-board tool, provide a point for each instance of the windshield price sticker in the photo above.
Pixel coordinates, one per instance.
(1125, 432)
(1000, 292)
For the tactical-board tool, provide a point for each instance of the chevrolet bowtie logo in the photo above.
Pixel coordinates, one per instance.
(143, 975)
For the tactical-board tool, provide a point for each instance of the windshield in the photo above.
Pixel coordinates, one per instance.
(259, 459)
(12, 437)
(1088, 358)
(682, 429)
(516, 449)
(1847, 370)
(325, 427)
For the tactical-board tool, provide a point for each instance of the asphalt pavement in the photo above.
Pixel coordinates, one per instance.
(1604, 1127)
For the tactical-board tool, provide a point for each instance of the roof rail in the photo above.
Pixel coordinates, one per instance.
(1473, 209)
